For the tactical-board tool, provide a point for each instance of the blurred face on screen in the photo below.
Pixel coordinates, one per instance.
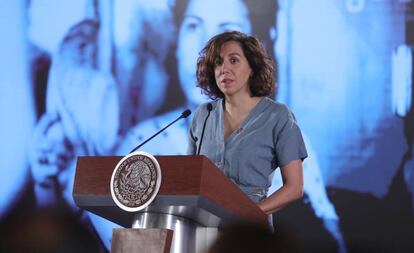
(202, 20)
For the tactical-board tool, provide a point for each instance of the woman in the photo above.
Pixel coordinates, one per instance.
(247, 135)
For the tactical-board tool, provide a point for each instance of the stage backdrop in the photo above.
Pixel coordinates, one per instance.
(98, 77)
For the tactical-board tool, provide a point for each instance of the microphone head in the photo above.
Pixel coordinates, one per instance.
(186, 113)
(209, 107)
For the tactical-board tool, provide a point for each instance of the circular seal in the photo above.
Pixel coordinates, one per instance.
(135, 181)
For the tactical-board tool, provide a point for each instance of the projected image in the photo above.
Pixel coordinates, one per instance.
(100, 77)
(196, 22)
(336, 71)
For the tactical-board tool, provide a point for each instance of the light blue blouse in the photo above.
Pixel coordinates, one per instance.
(268, 138)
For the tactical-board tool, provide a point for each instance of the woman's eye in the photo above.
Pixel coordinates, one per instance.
(233, 60)
(192, 26)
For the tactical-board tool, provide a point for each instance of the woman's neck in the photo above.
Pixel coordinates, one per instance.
(240, 106)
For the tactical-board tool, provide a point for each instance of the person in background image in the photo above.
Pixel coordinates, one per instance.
(81, 118)
(196, 22)
(339, 85)
(139, 63)
(16, 110)
(314, 186)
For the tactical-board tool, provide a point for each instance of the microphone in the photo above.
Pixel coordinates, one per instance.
(183, 115)
(209, 108)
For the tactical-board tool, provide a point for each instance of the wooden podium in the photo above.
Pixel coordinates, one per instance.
(194, 200)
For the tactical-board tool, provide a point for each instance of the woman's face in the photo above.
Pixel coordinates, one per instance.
(202, 20)
(232, 74)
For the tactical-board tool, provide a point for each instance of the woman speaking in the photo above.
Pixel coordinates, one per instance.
(246, 134)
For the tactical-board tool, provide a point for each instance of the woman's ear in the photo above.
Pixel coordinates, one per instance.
(273, 33)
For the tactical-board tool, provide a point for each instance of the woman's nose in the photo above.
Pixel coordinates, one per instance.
(224, 67)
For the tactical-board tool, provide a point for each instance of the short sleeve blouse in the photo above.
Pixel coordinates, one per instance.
(268, 138)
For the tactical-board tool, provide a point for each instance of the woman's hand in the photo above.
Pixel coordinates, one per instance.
(49, 151)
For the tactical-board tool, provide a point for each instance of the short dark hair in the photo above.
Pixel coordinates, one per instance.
(261, 83)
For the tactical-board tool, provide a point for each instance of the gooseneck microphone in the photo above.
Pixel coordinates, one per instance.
(183, 115)
(209, 108)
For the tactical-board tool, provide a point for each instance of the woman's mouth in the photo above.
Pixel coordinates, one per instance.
(226, 81)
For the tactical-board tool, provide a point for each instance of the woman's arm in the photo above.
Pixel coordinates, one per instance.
(292, 189)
